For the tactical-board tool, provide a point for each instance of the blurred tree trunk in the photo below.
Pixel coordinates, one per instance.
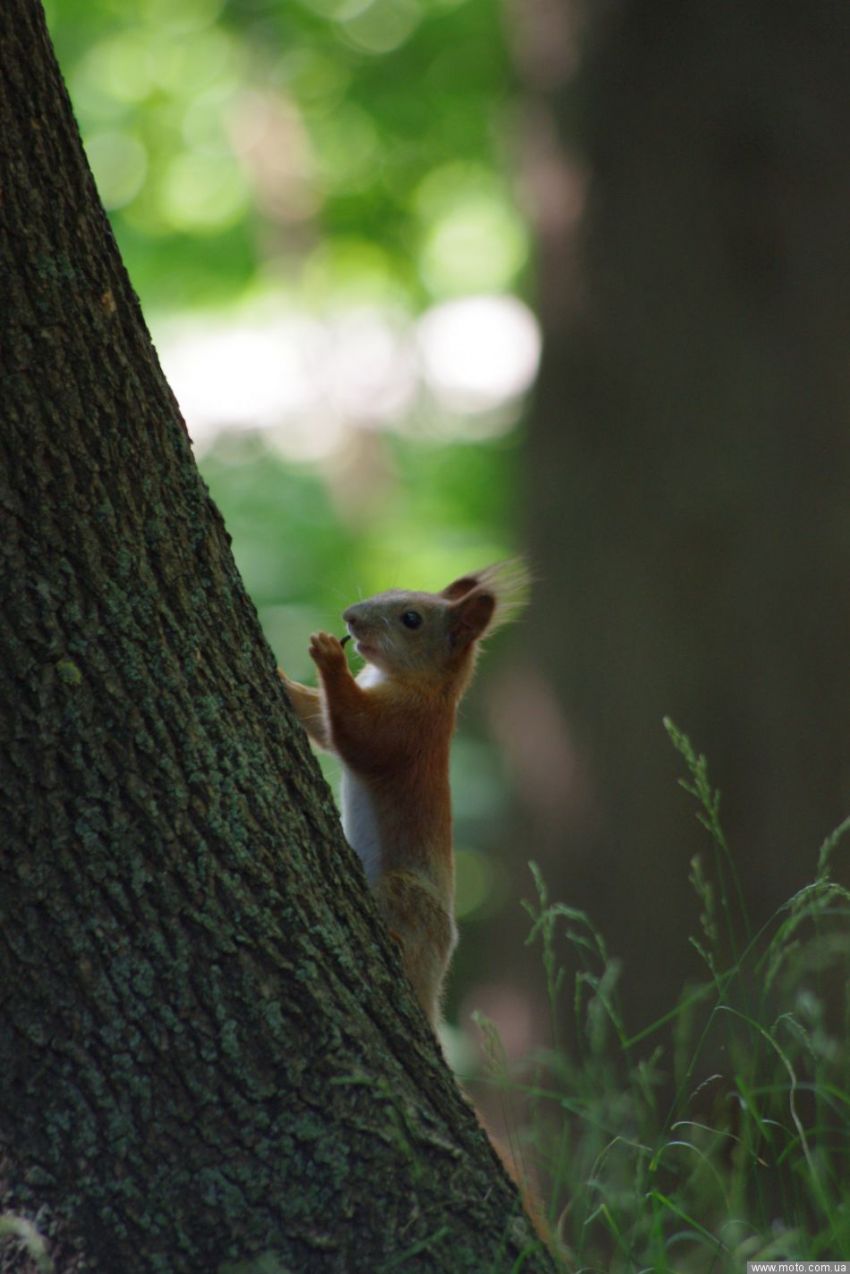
(208, 1052)
(690, 450)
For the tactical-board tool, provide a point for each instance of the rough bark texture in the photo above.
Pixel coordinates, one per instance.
(690, 457)
(207, 1050)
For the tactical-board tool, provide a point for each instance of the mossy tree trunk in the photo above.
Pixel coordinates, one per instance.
(207, 1049)
(690, 453)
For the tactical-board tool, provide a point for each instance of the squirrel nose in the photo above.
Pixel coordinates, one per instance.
(351, 617)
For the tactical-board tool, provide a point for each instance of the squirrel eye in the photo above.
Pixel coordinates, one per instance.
(411, 619)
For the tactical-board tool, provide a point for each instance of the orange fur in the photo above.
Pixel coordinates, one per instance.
(392, 729)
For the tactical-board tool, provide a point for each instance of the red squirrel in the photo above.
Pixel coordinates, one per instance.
(391, 727)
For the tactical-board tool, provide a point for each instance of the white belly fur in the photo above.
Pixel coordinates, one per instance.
(360, 824)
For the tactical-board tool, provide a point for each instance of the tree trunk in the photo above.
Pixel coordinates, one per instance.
(690, 457)
(208, 1053)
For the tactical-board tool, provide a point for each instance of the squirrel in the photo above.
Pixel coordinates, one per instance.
(391, 727)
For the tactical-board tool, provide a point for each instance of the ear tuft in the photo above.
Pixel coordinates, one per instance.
(470, 618)
(509, 584)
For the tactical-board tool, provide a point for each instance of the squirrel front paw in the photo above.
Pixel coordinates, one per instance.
(326, 652)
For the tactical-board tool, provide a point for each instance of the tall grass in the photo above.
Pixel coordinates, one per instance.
(720, 1133)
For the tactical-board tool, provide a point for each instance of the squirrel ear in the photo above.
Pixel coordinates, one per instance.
(469, 618)
(459, 588)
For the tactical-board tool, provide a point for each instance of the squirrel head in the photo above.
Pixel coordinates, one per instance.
(435, 636)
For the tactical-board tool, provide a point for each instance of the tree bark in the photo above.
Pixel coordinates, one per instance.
(690, 456)
(209, 1058)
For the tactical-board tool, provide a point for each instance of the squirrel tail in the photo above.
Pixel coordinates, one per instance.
(529, 1193)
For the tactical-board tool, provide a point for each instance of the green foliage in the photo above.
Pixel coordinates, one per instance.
(321, 142)
(720, 1133)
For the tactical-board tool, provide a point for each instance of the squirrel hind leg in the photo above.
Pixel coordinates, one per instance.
(424, 931)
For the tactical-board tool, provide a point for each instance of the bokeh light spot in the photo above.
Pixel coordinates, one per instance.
(203, 193)
(382, 26)
(119, 162)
